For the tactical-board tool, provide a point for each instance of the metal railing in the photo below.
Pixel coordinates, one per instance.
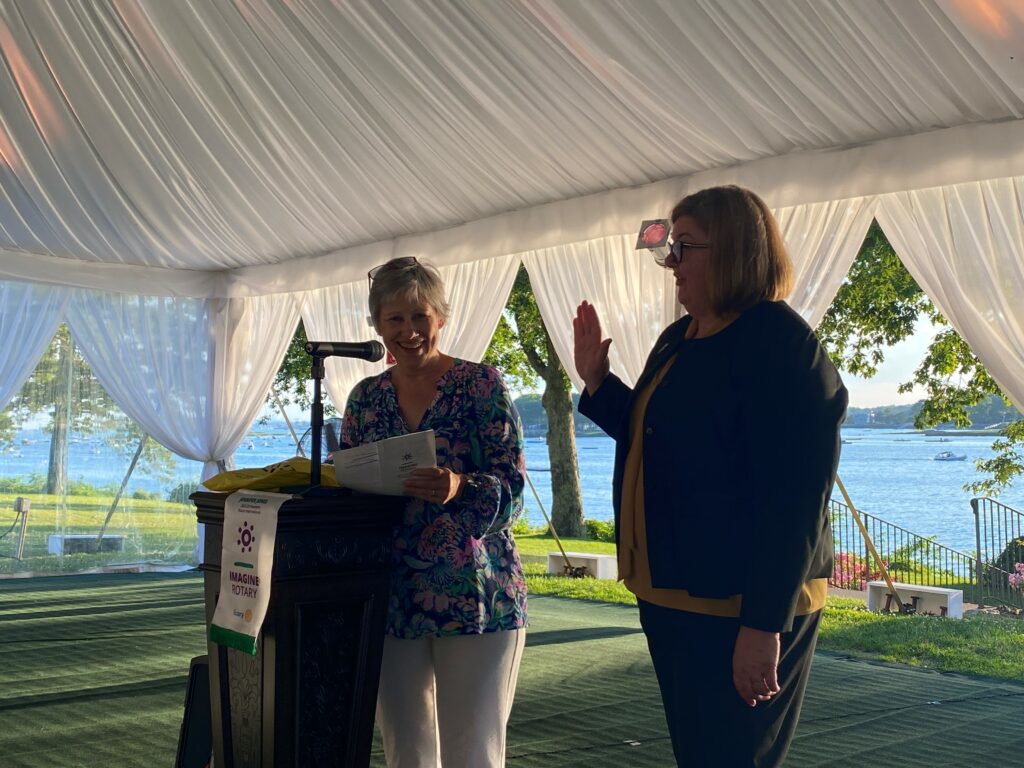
(999, 533)
(909, 557)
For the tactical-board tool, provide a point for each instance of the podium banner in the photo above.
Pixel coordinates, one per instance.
(247, 559)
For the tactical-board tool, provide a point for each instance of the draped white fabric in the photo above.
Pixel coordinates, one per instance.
(202, 148)
(225, 151)
(476, 293)
(340, 313)
(823, 240)
(635, 298)
(29, 316)
(964, 244)
(197, 170)
(192, 372)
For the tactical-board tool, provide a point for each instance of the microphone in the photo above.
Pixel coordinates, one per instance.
(364, 350)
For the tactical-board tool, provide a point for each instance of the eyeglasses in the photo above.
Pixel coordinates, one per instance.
(676, 251)
(402, 262)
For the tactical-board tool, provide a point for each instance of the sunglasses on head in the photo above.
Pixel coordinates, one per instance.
(403, 262)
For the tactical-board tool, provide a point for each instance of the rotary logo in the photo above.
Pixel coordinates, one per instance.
(245, 536)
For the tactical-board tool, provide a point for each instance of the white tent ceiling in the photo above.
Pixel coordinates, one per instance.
(212, 135)
(181, 181)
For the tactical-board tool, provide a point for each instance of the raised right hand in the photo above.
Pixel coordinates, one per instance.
(590, 351)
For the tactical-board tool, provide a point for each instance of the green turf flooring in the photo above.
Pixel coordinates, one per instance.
(92, 673)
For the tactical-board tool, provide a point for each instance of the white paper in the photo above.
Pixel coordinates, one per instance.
(383, 466)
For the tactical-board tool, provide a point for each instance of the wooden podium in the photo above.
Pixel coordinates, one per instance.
(308, 696)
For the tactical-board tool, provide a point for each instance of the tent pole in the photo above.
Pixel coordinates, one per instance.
(124, 483)
(551, 526)
(295, 437)
(870, 545)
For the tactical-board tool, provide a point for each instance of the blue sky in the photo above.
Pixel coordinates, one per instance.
(899, 365)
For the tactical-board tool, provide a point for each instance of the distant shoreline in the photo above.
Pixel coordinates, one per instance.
(985, 432)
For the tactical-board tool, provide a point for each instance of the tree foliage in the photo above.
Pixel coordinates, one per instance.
(290, 385)
(64, 389)
(877, 306)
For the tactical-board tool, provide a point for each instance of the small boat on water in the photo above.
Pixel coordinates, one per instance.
(950, 456)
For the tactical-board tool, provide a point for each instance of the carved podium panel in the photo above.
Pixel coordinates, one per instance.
(308, 696)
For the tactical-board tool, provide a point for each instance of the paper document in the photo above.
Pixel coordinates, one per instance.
(382, 467)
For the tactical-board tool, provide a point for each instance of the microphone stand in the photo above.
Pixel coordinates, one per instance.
(318, 350)
(316, 422)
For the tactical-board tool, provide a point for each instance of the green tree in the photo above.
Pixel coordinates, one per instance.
(8, 429)
(63, 387)
(878, 306)
(290, 383)
(521, 347)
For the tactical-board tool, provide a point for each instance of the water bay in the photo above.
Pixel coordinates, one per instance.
(889, 473)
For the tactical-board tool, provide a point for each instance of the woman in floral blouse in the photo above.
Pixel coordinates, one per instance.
(457, 611)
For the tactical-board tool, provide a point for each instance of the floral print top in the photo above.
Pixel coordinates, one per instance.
(456, 568)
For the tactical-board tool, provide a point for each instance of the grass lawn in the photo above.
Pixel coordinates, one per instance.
(153, 530)
(162, 530)
(976, 645)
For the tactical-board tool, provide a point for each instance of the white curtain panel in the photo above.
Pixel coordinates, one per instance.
(476, 294)
(193, 372)
(29, 316)
(634, 298)
(823, 240)
(340, 313)
(964, 244)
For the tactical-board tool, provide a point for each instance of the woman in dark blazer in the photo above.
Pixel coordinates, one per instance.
(727, 449)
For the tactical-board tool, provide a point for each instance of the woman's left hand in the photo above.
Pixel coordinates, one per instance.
(755, 661)
(438, 485)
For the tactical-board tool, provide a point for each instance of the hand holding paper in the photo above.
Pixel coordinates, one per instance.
(385, 465)
(438, 485)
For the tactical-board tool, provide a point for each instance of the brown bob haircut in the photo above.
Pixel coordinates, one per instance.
(749, 262)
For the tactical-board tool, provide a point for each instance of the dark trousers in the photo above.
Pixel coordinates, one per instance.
(711, 727)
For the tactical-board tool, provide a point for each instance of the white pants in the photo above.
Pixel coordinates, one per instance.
(445, 701)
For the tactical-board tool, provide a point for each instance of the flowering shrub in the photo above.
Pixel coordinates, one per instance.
(851, 572)
(1016, 578)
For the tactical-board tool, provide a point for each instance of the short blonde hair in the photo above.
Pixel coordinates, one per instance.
(749, 261)
(409, 279)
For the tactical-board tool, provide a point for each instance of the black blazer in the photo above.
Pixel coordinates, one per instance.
(741, 444)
